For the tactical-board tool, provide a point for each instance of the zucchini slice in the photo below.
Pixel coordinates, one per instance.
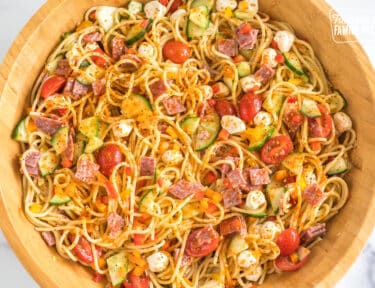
(146, 203)
(208, 3)
(89, 126)
(237, 245)
(293, 63)
(310, 109)
(274, 196)
(207, 131)
(118, 266)
(294, 162)
(20, 133)
(58, 200)
(93, 144)
(244, 69)
(258, 136)
(336, 102)
(190, 124)
(193, 31)
(48, 163)
(60, 139)
(199, 16)
(273, 103)
(340, 166)
(137, 31)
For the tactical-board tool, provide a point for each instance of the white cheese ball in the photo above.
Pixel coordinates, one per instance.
(146, 51)
(104, 15)
(172, 157)
(207, 91)
(342, 122)
(269, 57)
(269, 230)
(246, 258)
(255, 199)
(254, 274)
(284, 40)
(178, 14)
(122, 129)
(155, 9)
(157, 262)
(263, 118)
(222, 4)
(233, 124)
(249, 83)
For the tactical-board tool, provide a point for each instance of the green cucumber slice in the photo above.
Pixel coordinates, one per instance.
(340, 166)
(193, 31)
(207, 131)
(336, 102)
(118, 266)
(137, 31)
(79, 146)
(244, 69)
(258, 136)
(60, 139)
(58, 200)
(146, 203)
(273, 103)
(208, 3)
(135, 105)
(243, 15)
(190, 124)
(89, 126)
(20, 133)
(199, 16)
(48, 163)
(237, 245)
(293, 63)
(294, 162)
(274, 196)
(310, 108)
(93, 144)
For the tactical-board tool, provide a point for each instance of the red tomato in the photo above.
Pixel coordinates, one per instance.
(276, 149)
(175, 5)
(283, 263)
(321, 126)
(176, 51)
(288, 241)
(250, 105)
(293, 119)
(245, 28)
(83, 251)
(135, 281)
(139, 239)
(210, 177)
(224, 107)
(202, 242)
(108, 157)
(52, 85)
(100, 61)
(164, 2)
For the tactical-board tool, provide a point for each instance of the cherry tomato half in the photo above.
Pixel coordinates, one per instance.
(52, 85)
(176, 51)
(175, 5)
(108, 157)
(288, 241)
(100, 61)
(136, 281)
(276, 149)
(224, 107)
(250, 105)
(321, 126)
(202, 242)
(283, 263)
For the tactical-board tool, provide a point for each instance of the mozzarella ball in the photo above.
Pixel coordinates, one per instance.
(157, 262)
(155, 9)
(269, 230)
(178, 14)
(249, 83)
(172, 157)
(222, 4)
(255, 199)
(246, 259)
(233, 124)
(254, 274)
(207, 91)
(284, 40)
(122, 129)
(342, 122)
(263, 118)
(269, 57)
(146, 50)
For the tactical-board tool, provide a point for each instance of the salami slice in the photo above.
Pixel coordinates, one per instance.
(264, 74)
(173, 106)
(92, 37)
(86, 169)
(184, 188)
(49, 238)
(227, 47)
(313, 195)
(147, 166)
(259, 176)
(231, 197)
(31, 163)
(115, 223)
(63, 68)
(47, 125)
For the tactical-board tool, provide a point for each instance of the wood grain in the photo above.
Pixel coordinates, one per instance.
(347, 66)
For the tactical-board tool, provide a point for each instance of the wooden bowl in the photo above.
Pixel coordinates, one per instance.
(347, 66)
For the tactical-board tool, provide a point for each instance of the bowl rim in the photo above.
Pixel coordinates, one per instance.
(9, 230)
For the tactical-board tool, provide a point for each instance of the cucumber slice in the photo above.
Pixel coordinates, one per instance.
(135, 7)
(340, 166)
(294, 162)
(89, 126)
(84, 80)
(199, 16)
(247, 53)
(118, 266)
(243, 15)
(84, 64)
(258, 136)
(293, 63)
(193, 31)
(135, 105)
(93, 144)
(58, 200)
(207, 131)
(336, 102)
(137, 32)
(190, 124)
(273, 103)
(237, 245)
(20, 133)
(60, 139)
(208, 3)
(310, 108)
(48, 163)
(147, 202)
(274, 196)
(243, 69)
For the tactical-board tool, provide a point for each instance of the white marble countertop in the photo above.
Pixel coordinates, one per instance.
(15, 13)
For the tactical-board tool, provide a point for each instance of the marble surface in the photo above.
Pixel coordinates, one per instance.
(357, 13)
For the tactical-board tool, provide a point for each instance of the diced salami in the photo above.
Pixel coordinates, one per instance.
(264, 74)
(93, 37)
(246, 36)
(31, 163)
(147, 166)
(173, 105)
(118, 47)
(184, 188)
(115, 223)
(79, 90)
(225, 168)
(63, 68)
(227, 47)
(131, 63)
(231, 197)
(233, 225)
(86, 169)
(311, 234)
(158, 88)
(49, 238)
(236, 179)
(47, 125)
(186, 259)
(98, 87)
(69, 86)
(68, 154)
(259, 176)
(313, 195)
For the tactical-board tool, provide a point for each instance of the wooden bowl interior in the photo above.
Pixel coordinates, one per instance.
(347, 67)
